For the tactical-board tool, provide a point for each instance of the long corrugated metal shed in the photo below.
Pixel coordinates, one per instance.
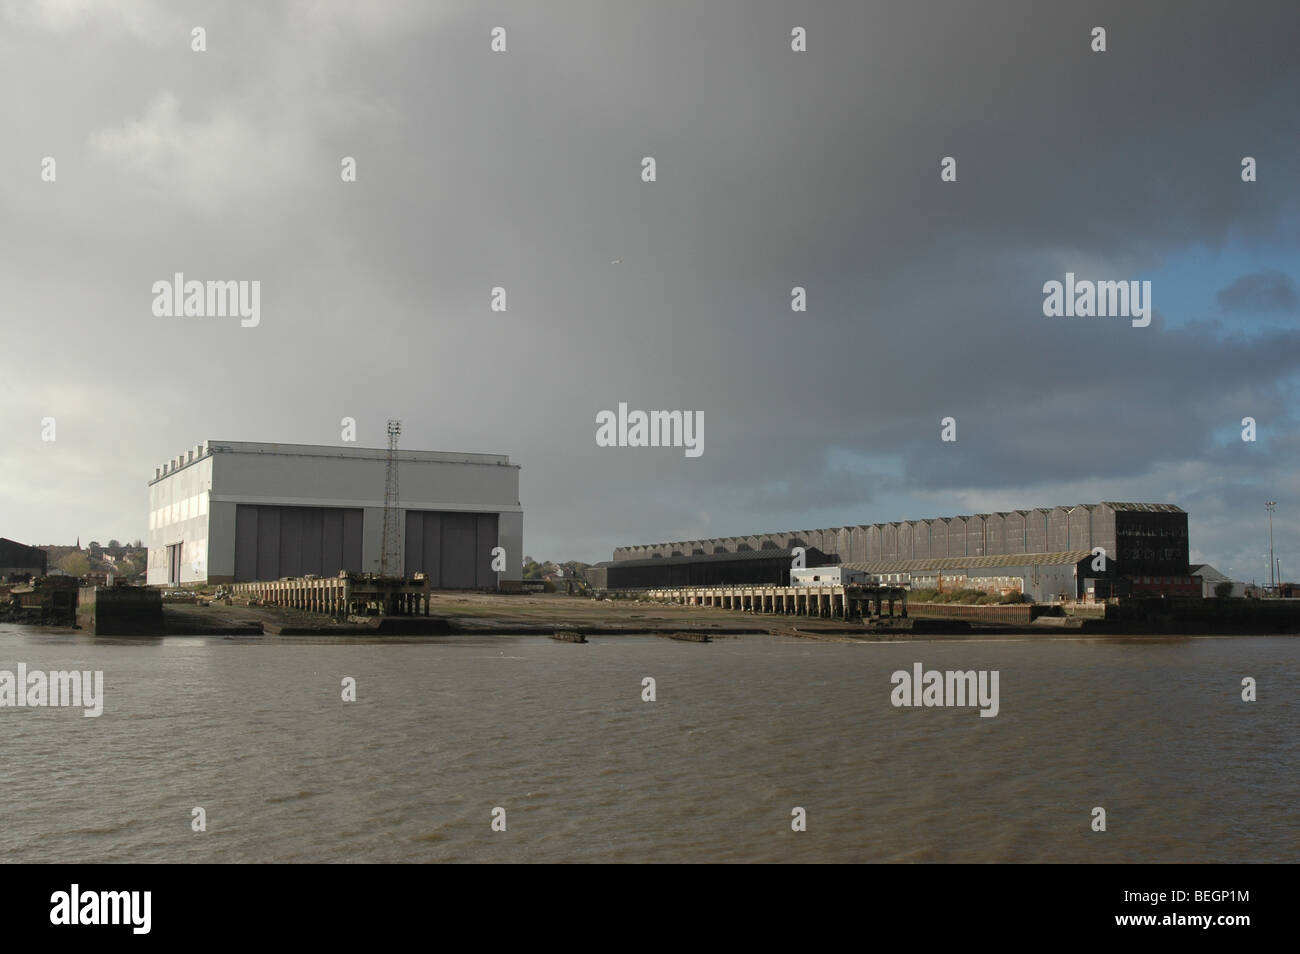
(971, 562)
(1130, 507)
(739, 555)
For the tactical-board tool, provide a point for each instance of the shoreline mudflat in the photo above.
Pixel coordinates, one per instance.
(490, 614)
(535, 614)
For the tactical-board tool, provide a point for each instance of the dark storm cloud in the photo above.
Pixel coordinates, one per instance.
(521, 169)
(1260, 293)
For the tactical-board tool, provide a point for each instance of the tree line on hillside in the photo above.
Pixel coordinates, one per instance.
(123, 560)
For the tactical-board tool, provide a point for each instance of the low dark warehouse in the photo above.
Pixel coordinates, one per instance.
(771, 566)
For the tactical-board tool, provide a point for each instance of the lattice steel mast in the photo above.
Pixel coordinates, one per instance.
(388, 560)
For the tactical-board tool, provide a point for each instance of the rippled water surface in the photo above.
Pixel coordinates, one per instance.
(743, 730)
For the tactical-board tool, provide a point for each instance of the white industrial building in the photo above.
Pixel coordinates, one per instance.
(1209, 578)
(236, 511)
(827, 576)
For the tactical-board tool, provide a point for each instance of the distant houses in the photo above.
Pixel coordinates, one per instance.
(20, 562)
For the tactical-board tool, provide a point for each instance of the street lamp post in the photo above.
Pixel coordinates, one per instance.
(1269, 505)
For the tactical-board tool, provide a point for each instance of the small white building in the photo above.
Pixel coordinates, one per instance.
(236, 511)
(827, 576)
(1210, 578)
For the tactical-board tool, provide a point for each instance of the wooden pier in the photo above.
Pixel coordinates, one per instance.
(839, 601)
(348, 594)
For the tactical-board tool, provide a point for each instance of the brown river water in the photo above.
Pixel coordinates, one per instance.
(742, 731)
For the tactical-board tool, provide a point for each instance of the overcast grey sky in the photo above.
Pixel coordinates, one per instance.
(775, 168)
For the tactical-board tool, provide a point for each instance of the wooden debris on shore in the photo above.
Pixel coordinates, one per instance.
(691, 637)
(568, 636)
